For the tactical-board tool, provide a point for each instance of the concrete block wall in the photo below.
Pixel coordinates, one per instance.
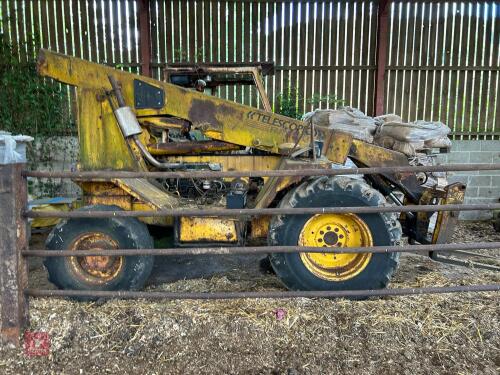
(482, 186)
(55, 154)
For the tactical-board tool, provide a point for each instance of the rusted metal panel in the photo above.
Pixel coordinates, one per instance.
(447, 220)
(13, 240)
(142, 189)
(207, 230)
(98, 192)
(102, 145)
(336, 146)
(259, 227)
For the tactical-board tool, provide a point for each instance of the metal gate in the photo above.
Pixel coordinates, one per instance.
(14, 237)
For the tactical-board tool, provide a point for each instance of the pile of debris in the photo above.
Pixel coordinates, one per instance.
(389, 131)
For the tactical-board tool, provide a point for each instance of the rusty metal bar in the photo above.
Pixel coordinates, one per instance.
(108, 175)
(270, 294)
(464, 263)
(13, 240)
(444, 68)
(268, 249)
(144, 37)
(262, 211)
(382, 54)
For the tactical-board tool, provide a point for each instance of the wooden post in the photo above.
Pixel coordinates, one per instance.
(13, 267)
(145, 37)
(382, 51)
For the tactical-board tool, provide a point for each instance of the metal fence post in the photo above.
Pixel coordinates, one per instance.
(145, 37)
(382, 52)
(13, 239)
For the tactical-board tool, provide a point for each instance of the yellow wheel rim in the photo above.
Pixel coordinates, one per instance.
(335, 230)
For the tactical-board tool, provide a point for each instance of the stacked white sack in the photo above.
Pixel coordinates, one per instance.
(388, 131)
(346, 119)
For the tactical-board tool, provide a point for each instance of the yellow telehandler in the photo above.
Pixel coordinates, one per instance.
(128, 122)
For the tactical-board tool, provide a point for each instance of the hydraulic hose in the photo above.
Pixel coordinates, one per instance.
(150, 158)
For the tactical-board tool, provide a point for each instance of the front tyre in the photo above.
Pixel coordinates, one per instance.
(327, 271)
(99, 272)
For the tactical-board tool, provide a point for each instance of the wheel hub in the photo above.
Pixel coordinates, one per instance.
(335, 230)
(96, 269)
(330, 238)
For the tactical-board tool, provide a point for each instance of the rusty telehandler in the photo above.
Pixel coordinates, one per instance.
(128, 122)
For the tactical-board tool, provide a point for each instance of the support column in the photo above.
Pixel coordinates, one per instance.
(382, 52)
(13, 267)
(145, 37)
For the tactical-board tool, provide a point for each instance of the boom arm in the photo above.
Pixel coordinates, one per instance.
(103, 147)
(217, 118)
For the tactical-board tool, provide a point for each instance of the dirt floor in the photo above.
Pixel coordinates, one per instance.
(446, 334)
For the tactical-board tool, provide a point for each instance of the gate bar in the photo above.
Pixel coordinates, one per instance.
(266, 249)
(269, 294)
(107, 175)
(262, 211)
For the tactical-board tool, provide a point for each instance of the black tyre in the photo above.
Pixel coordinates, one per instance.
(323, 271)
(496, 223)
(99, 272)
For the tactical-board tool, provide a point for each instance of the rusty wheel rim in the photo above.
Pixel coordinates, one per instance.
(95, 269)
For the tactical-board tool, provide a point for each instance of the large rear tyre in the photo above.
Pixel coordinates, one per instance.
(324, 271)
(99, 272)
(496, 223)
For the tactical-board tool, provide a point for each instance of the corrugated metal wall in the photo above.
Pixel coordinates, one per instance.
(443, 57)
(444, 64)
(101, 31)
(323, 48)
